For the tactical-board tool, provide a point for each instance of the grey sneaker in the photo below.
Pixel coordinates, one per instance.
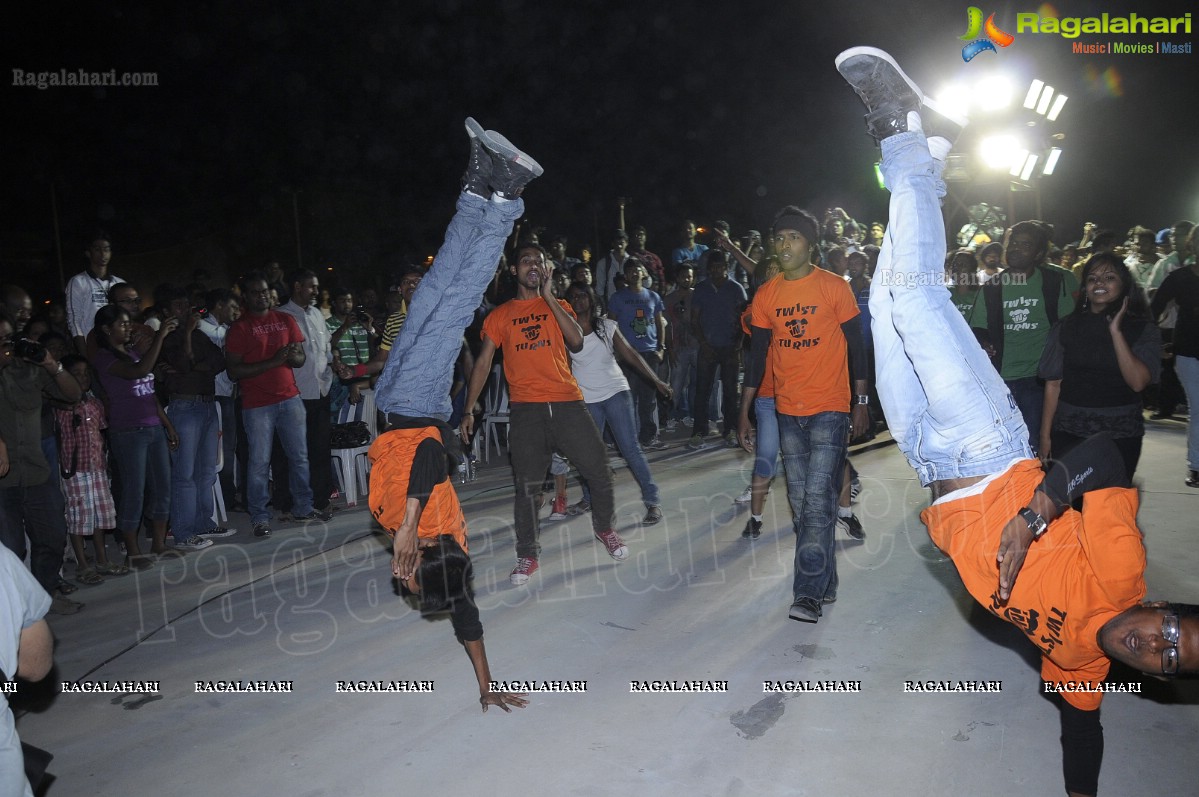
(696, 443)
(511, 169)
(655, 445)
(477, 178)
(323, 515)
(888, 94)
(805, 610)
(193, 543)
(218, 531)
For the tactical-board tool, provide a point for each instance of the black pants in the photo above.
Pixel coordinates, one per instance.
(1130, 448)
(728, 360)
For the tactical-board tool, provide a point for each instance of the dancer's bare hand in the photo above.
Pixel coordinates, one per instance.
(1013, 547)
(503, 700)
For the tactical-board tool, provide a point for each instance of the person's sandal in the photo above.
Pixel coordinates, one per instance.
(64, 587)
(111, 569)
(88, 576)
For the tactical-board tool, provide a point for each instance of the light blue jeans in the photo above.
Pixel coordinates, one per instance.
(286, 419)
(193, 466)
(1188, 373)
(946, 406)
(416, 380)
(617, 413)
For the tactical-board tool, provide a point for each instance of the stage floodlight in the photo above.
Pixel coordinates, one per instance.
(1058, 104)
(1051, 162)
(1029, 165)
(999, 151)
(993, 93)
(1034, 91)
(1046, 98)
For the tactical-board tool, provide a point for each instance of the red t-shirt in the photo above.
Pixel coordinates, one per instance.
(257, 339)
(535, 361)
(1087, 568)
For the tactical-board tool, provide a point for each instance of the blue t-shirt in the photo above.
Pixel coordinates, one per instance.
(636, 312)
(683, 255)
(719, 310)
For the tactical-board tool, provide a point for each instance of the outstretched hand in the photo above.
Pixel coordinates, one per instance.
(1013, 547)
(503, 700)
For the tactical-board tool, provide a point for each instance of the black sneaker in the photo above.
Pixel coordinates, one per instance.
(511, 169)
(805, 610)
(851, 526)
(753, 529)
(262, 529)
(889, 94)
(477, 178)
(323, 515)
(1193, 479)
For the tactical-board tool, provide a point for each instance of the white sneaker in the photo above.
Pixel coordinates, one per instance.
(192, 543)
(746, 496)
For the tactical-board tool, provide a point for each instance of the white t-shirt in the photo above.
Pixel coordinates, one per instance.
(595, 367)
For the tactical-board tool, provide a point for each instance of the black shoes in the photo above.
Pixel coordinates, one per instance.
(851, 526)
(889, 94)
(753, 529)
(1193, 478)
(805, 610)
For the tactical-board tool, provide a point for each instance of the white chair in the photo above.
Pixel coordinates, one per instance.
(352, 465)
(219, 515)
(495, 411)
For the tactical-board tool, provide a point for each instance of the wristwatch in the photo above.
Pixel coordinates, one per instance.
(862, 400)
(1036, 524)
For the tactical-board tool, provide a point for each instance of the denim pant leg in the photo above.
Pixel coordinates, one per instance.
(259, 425)
(1029, 395)
(813, 453)
(1188, 374)
(573, 432)
(617, 411)
(129, 447)
(293, 436)
(158, 474)
(228, 448)
(682, 381)
(766, 439)
(730, 370)
(645, 398)
(206, 475)
(927, 358)
(416, 380)
(188, 418)
(531, 450)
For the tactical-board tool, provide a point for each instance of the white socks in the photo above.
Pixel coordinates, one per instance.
(938, 147)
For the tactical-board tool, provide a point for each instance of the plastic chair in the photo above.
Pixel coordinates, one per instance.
(219, 515)
(352, 465)
(495, 411)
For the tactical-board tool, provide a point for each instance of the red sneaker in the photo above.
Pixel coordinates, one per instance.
(615, 545)
(558, 508)
(524, 568)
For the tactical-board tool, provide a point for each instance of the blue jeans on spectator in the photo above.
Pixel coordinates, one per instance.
(193, 466)
(682, 381)
(617, 413)
(1188, 373)
(228, 449)
(144, 462)
(946, 406)
(38, 511)
(1029, 395)
(287, 420)
(766, 439)
(814, 449)
(419, 386)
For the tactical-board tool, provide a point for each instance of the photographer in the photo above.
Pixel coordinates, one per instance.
(30, 500)
(351, 333)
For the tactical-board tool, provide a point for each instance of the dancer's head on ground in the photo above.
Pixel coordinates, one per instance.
(794, 234)
(1157, 638)
(443, 575)
(1106, 281)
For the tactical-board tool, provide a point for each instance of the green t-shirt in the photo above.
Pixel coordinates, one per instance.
(1025, 321)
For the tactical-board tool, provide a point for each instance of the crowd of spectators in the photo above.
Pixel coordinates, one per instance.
(131, 417)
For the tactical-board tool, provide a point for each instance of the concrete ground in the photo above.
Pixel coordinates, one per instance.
(315, 605)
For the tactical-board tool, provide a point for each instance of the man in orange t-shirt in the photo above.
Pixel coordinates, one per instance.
(995, 513)
(535, 332)
(805, 330)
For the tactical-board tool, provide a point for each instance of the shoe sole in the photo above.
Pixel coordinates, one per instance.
(803, 614)
(474, 129)
(856, 72)
(208, 535)
(505, 149)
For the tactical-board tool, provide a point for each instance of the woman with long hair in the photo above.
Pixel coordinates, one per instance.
(1097, 361)
(606, 391)
(140, 434)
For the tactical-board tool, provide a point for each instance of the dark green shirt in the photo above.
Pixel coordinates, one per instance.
(21, 393)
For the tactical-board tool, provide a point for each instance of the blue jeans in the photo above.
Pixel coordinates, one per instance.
(285, 419)
(814, 449)
(419, 372)
(766, 440)
(617, 412)
(143, 459)
(1029, 395)
(947, 408)
(682, 381)
(1188, 373)
(193, 466)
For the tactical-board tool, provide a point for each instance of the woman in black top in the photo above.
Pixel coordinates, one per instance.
(1097, 361)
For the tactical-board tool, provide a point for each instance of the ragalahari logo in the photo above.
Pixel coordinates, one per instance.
(994, 36)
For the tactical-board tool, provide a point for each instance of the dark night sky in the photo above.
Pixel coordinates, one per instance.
(708, 110)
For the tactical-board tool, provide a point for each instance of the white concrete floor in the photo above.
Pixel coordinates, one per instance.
(316, 605)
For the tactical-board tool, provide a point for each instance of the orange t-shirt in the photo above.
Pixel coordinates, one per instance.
(766, 388)
(1088, 567)
(808, 352)
(391, 458)
(535, 361)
